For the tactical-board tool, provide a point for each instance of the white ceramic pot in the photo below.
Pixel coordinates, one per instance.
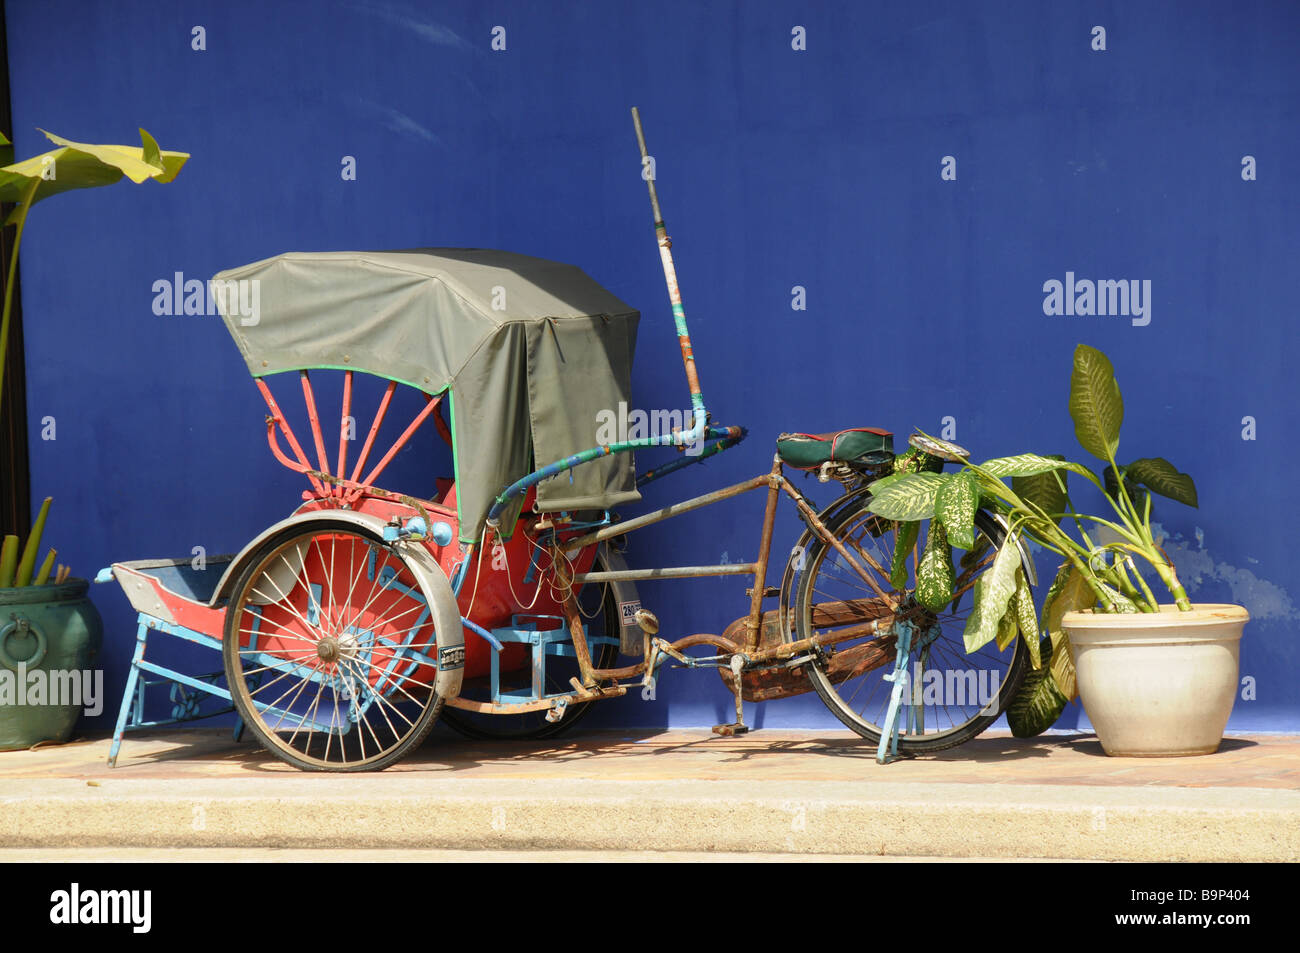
(1157, 685)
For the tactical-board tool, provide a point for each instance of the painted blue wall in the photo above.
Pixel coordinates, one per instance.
(778, 167)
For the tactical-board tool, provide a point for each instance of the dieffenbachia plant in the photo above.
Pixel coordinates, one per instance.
(73, 165)
(1099, 570)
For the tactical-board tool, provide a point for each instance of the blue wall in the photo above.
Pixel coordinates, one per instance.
(778, 167)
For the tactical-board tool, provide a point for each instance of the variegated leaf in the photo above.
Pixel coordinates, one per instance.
(1026, 617)
(1007, 628)
(911, 498)
(1062, 666)
(992, 597)
(1027, 464)
(955, 505)
(885, 481)
(904, 541)
(934, 577)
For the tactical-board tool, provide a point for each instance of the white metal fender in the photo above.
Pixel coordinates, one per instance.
(448, 630)
(631, 639)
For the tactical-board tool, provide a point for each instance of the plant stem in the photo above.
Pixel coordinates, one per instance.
(1151, 597)
(20, 219)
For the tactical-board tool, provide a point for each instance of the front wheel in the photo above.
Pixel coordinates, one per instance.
(951, 696)
(330, 649)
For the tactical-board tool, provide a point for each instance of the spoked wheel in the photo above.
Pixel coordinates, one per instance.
(330, 649)
(599, 610)
(951, 696)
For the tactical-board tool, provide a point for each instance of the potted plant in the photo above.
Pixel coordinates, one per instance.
(49, 629)
(1156, 678)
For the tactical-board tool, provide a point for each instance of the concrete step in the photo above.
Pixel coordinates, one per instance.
(679, 792)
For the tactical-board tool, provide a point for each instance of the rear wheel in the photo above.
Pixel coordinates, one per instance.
(951, 696)
(329, 649)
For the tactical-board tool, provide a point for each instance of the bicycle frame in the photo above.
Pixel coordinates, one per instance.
(750, 652)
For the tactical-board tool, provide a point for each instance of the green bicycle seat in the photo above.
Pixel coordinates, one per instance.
(857, 446)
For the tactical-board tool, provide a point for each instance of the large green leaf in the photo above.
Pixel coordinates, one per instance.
(1095, 402)
(992, 596)
(1160, 476)
(904, 540)
(954, 506)
(911, 498)
(934, 577)
(1037, 703)
(80, 165)
(74, 165)
(1048, 490)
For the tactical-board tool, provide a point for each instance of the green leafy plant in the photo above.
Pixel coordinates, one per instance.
(73, 165)
(1101, 554)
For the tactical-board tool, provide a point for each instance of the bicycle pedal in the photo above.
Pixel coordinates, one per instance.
(729, 730)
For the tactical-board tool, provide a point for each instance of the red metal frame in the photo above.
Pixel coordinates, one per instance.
(338, 486)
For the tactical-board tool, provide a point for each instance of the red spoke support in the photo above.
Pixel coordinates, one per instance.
(398, 445)
(374, 429)
(310, 399)
(277, 419)
(343, 430)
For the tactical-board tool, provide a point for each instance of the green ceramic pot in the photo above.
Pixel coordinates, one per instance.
(49, 639)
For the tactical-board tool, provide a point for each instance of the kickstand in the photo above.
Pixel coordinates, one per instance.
(738, 727)
(887, 750)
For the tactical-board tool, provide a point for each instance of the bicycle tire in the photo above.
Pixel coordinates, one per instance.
(840, 693)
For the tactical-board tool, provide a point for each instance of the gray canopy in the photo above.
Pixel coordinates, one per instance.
(531, 350)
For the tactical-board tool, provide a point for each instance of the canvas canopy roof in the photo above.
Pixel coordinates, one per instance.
(531, 351)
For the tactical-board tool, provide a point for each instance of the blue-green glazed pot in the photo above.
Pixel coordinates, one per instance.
(50, 637)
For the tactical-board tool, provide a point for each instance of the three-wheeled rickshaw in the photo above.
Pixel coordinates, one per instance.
(500, 600)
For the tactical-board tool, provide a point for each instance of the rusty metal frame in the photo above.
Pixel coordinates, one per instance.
(776, 483)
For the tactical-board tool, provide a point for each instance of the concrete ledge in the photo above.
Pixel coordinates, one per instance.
(507, 802)
(791, 816)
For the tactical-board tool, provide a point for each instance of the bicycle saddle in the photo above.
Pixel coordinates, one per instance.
(860, 446)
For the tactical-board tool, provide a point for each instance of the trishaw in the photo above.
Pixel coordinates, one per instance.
(501, 601)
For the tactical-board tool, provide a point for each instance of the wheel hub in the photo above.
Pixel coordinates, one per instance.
(327, 649)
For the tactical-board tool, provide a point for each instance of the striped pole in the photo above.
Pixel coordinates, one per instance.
(670, 277)
(679, 438)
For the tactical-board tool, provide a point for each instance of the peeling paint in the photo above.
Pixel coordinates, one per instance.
(1264, 600)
